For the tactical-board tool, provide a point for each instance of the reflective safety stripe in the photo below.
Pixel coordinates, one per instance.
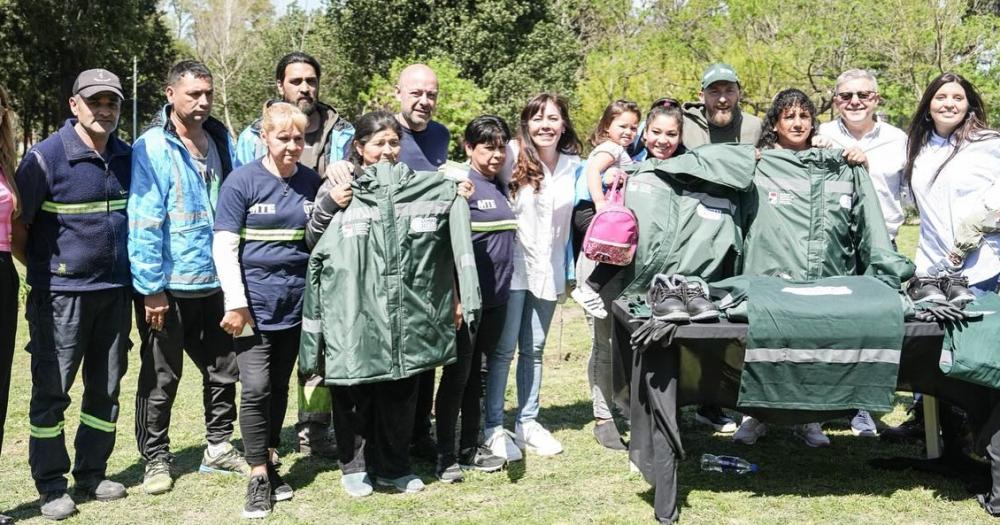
(46, 432)
(84, 207)
(253, 234)
(313, 326)
(822, 355)
(494, 226)
(96, 423)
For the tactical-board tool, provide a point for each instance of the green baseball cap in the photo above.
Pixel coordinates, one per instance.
(718, 73)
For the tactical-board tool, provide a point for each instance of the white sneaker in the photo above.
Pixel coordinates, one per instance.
(863, 425)
(500, 444)
(750, 431)
(590, 301)
(812, 434)
(532, 436)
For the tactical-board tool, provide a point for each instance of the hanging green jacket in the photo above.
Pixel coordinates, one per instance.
(811, 215)
(378, 301)
(687, 213)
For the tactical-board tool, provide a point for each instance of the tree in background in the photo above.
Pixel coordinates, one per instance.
(44, 44)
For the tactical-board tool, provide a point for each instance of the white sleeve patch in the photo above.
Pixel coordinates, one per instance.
(468, 261)
(314, 326)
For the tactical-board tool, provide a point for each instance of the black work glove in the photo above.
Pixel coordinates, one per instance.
(939, 312)
(653, 331)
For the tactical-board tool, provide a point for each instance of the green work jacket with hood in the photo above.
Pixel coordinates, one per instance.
(378, 302)
(744, 128)
(687, 213)
(811, 215)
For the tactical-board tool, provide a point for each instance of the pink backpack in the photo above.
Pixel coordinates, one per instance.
(614, 231)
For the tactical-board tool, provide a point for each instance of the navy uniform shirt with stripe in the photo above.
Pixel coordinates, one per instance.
(270, 215)
(494, 230)
(73, 201)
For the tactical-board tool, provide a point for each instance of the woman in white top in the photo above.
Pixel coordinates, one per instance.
(953, 165)
(545, 165)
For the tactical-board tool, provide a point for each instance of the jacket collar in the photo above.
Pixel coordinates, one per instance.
(216, 130)
(76, 150)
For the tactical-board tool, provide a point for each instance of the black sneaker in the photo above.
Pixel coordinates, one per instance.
(102, 490)
(57, 505)
(667, 299)
(923, 289)
(481, 459)
(447, 470)
(258, 499)
(909, 431)
(956, 289)
(280, 490)
(699, 307)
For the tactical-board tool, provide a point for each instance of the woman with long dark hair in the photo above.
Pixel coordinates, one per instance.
(542, 181)
(9, 282)
(951, 168)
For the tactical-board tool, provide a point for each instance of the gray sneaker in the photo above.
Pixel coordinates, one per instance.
(408, 483)
(157, 479)
(104, 490)
(357, 485)
(57, 505)
(229, 462)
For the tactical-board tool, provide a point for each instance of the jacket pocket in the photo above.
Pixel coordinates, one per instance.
(191, 254)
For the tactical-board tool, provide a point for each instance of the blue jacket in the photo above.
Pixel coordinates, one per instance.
(171, 210)
(74, 202)
(337, 134)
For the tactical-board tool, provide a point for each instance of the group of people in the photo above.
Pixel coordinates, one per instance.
(207, 243)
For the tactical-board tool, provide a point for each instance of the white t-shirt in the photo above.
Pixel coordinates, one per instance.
(543, 227)
(616, 151)
(885, 147)
(967, 184)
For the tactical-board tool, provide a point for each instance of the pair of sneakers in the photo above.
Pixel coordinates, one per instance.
(158, 478)
(529, 435)
(751, 429)
(59, 505)
(947, 288)
(673, 298)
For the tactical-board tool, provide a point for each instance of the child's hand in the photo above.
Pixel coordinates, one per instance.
(611, 175)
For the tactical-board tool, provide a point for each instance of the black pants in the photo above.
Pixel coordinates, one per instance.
(191, 325)
(9, 285)
(424, 404)
(462, 383)
(374, 422)
(68, 329)
(266, 360)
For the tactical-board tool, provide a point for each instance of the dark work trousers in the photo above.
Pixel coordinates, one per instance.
(424, 403)
(988, 437)
(68, 329)
(266, 361)
(352, 407)
(469, 395)
(9, 285)
(191, 325)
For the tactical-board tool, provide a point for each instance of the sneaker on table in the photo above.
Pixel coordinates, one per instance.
(714, 417)
(501, 444)
(590, 301)
(863, 425)
(230, 461)
(812, 434)
(481, 459)
(532, 436)
(751, 429)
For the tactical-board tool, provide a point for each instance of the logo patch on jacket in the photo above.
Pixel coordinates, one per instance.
(423, 224)
(779, 197)
(307, 207)
(354, 229)
(486, 204)
(262, 209)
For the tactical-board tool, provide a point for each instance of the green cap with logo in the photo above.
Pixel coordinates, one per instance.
(718, 73)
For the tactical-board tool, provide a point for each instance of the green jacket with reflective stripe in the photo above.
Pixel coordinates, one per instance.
(687, 213)
(811, 215)
(379, 290)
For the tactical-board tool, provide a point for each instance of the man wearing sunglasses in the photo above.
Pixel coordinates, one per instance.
(856, 99)
(717, 117)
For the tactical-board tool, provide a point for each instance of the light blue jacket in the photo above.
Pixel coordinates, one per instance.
(337, 133)
(171, 210)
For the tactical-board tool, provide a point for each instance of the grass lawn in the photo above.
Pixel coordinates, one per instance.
(586, 484)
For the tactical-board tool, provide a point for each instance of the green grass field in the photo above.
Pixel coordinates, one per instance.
(586, 484)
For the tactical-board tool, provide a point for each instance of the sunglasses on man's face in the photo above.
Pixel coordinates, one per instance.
(667, 102)
(847, 96)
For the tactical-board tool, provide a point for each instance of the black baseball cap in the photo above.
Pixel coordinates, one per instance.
(94, 81)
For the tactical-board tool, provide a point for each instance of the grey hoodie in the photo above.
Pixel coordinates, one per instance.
(744, 128)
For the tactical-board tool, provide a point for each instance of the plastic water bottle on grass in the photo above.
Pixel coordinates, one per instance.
(726, 464)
